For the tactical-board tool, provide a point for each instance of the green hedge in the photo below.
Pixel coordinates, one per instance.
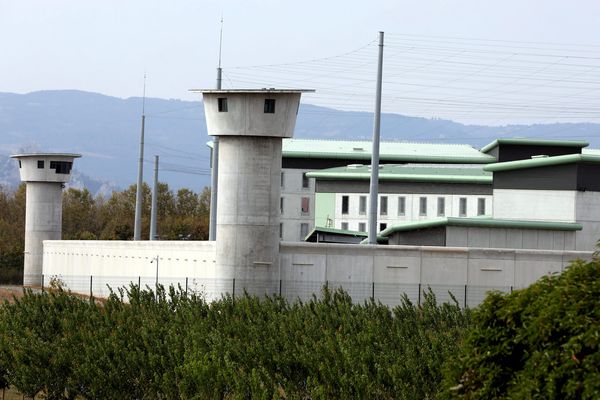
(538, 343)
(177, 346)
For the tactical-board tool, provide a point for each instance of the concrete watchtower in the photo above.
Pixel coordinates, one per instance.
(45, 175)
(250, 125)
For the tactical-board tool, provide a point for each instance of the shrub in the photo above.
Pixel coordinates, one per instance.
(539, 342)
(171, 345)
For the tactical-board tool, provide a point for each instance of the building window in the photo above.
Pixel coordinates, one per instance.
(280, 230)
(401, 205)
(41, 164)
(303, 230)
(462, 207)
(441, 206)
(304, 205)
(19, 163)
(422, 205)
(282, 179)
(222, 104)
(305, 181)
(269, 106)
(281, 205)
(345, 226)
(383, 205)
(362, 205)
(481, 206)
(362, 227)
(345, 204)
(382, 226)
(61, 167)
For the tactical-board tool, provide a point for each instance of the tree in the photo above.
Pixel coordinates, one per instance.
(80, 215)
(540, 342)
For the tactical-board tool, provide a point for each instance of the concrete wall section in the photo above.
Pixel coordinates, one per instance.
(460, 236)
(245, 114)
(386, 273)
(248, 211)
(588, 214)
(43, 221)
(119, 263)
(536, 205)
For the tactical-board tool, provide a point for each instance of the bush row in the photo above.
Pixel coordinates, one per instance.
(172, 345)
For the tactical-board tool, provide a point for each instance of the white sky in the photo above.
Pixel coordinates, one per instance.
(106, 46)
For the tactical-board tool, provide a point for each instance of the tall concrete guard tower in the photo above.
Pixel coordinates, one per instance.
(45, 175)
(250, 125)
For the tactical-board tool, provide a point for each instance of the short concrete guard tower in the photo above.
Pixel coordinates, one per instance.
(250, 125)
(45, 175)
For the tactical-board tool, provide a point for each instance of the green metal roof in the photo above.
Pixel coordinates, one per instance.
(543, 162)
(322, 229)
(534, 142)
(389, 151)
(402, 172)
(482, 223)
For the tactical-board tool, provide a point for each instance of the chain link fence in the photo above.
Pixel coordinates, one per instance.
(390, 294)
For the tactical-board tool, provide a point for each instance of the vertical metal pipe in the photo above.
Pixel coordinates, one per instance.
(154, 211)
(137, 229)
(214, 181)
(374, 188)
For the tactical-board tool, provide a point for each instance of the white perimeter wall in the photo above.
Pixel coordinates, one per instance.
(385, 271)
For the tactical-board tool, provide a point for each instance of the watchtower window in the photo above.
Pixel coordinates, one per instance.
(61, 167)
(269, 106)
(41, 164)
(222, 104)
(19, 163)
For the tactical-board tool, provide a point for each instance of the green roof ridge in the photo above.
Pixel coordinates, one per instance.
(482, 222)
(394, 172)
(335, 230)
(534, 142)
(542, 162)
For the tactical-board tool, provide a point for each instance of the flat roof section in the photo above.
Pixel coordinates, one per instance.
(543, 162)
(482, 222)
(73, 155)
(401, 172)
(534, 142)
(389, 151)
(257, 91)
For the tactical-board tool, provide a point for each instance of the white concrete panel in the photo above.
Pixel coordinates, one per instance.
(537, 205)
(530, 265)
(479, 237)
(491, 268)
(444, 266)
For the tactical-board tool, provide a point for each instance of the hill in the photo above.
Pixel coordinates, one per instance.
(106, 131)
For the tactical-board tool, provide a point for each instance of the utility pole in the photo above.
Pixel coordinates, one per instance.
(374, 188)
(153, 219)
(137, 227)
(214, 177)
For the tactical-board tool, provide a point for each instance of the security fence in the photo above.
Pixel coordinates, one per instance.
(390, 294)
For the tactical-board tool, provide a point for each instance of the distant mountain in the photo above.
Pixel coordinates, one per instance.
(106, 131)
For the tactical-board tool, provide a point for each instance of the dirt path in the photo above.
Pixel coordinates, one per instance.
(9, 292)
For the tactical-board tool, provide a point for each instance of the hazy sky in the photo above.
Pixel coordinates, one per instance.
(105, 46)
